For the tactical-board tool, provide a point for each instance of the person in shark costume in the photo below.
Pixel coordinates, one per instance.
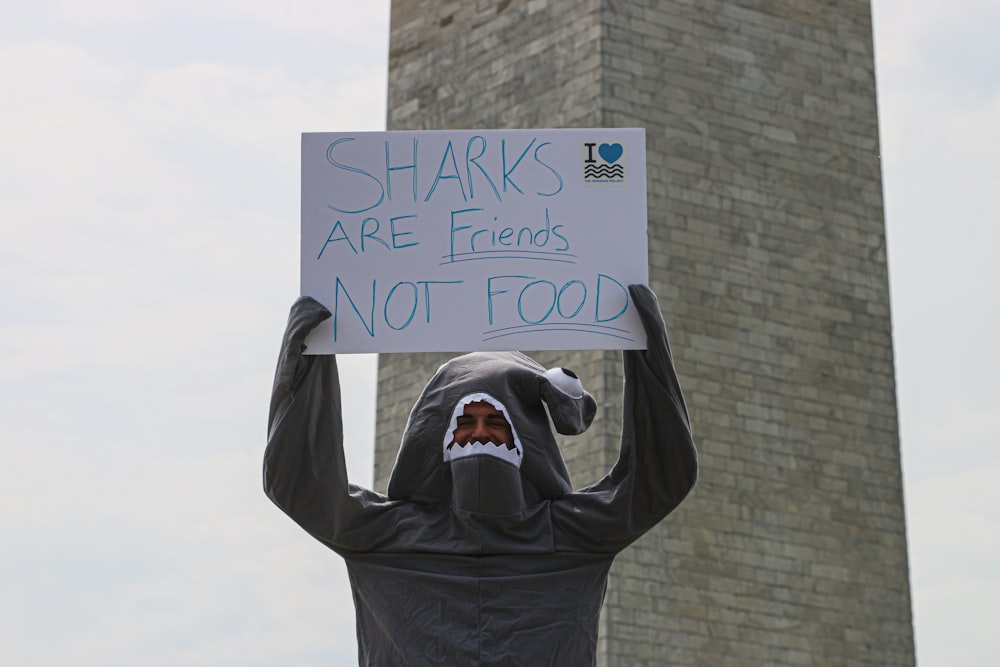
(481, 553)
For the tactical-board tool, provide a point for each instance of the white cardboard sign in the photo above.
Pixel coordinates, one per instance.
(464, 240)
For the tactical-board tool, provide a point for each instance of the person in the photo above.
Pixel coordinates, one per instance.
(481, 552)
(481, 422)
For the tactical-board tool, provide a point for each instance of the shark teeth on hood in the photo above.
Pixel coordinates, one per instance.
(455, 451)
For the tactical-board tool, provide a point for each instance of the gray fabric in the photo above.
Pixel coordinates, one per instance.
(475, 561)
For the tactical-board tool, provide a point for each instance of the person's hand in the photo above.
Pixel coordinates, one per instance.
(305, 314)
(649, 309)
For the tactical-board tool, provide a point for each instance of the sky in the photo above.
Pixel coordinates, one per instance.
(149, 216)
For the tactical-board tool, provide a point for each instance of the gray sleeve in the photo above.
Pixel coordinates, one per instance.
(657, 464)
(305, 473)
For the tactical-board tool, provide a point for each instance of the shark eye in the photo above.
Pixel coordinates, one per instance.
(565, 381)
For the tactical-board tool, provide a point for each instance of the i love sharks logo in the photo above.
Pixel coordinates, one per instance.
(603, 162)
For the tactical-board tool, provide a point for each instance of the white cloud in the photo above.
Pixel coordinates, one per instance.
(338, 19)
(154, 199)
(147, 544)
(939, 95)
(954, 534)
(150, 257)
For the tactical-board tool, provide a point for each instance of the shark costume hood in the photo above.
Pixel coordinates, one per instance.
(491, 477)
(481, 553)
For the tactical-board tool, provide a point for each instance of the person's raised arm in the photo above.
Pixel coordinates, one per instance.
(304, 469)
(657, 464)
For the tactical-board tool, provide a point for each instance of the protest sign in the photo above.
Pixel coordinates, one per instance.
(464, 240)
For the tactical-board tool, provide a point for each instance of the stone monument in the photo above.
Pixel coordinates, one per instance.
(767, 250)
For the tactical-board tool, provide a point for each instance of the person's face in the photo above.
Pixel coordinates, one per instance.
(481, 422)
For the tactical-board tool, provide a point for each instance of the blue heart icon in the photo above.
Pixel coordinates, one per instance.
(610, 152)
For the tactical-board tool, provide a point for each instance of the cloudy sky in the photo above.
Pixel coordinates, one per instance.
(149, 179)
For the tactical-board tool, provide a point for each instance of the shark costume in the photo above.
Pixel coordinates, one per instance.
(481, 553)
